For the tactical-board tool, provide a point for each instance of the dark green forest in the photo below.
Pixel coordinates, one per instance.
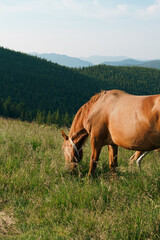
(134, 80)
(35, 89)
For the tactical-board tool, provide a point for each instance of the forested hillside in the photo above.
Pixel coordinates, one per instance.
(37, 88)
(135, 80)
(34, 89)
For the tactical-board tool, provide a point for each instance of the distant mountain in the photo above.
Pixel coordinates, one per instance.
(151, 64)
(100, 59)
(73, 62)
(126, 62)
(63, 60)
(133, 62)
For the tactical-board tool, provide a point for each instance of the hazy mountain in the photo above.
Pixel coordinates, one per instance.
(67, 61)
(126, 62)
(63, 60)
(151, 64)
(133, 62)
(100, 59)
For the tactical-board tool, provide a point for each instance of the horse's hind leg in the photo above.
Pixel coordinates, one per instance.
(139, 160)
(138, 156)
(113, 151)
(135, 156)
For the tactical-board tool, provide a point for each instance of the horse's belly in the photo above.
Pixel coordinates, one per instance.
(140, 136)
(137, 144)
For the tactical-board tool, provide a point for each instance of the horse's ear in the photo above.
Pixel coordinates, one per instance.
(64, 135)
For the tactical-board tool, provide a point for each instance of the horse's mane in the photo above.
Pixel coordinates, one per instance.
(89, 104)
(86, 107)
(92, 100)
(96, 97)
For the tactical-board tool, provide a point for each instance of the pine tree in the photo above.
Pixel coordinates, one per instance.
(57, 119)
(1, 107)
(49, 118)
(66, 119)
(7, 106)
(39, 117)
(43, 117)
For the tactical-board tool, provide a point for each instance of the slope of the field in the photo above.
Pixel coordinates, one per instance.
(39, 199)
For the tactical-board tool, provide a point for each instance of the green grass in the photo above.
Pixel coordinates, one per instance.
(39, 199)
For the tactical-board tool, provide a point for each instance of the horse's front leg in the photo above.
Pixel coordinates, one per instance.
(96, 149)
(113, 151)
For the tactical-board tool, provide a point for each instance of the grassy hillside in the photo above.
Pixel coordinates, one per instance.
(40, 200)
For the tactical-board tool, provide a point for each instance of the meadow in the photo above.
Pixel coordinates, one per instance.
(40, 199)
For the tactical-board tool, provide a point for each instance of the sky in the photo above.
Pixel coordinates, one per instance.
(82, 28)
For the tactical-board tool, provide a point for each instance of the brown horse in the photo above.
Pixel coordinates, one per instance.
(114, 118)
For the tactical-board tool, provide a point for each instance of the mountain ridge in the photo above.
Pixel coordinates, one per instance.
(74, 62)
(125, 62)
(98, 59)
(132, 62)
(63, 60)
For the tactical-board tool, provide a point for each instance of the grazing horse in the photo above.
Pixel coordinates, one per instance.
(114, 118)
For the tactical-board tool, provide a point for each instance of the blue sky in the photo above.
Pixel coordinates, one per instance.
(82, 28)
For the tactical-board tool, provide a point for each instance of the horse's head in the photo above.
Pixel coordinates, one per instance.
(72, 154)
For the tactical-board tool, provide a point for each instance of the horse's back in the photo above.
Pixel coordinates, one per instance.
(126, 120)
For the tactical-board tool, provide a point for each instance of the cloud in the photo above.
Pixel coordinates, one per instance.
(122, 8)
(9, 8)
(151, 11)
(154, 9)
(94, 10)
(95, 2)
(86, 9)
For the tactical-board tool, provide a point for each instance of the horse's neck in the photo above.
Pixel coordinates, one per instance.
(77, 133)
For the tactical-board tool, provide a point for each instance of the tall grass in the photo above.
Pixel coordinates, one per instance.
(39, 199)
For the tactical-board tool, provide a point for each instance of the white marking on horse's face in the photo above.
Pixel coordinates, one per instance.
(69, 155)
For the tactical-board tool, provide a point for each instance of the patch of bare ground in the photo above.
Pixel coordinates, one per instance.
(7, 224)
